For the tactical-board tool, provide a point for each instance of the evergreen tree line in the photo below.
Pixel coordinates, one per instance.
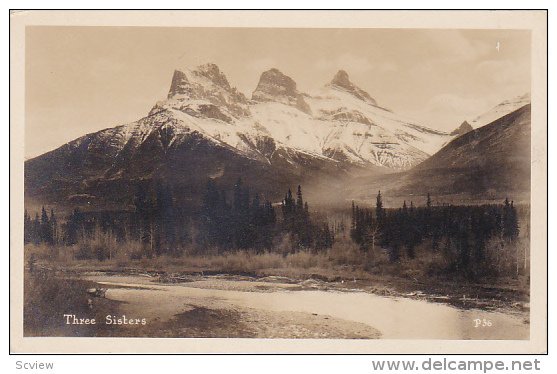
(154, 221)
(80, 225)
(227, 220)
(249, 222)
(157, 222)
(241, 223)
(40, 230)
(461, 233)
(297, 222)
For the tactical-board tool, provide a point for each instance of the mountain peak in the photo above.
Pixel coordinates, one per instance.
(275, 86)
(341, 81)
(209, 67)
(462, 129)
(183, 79)
(274, 83)
(179, 84)
(204, 92)
(212, 72)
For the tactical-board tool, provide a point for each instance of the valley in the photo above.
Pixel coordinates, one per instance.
(222, 215)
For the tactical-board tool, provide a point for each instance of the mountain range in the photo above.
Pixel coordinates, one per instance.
(206, 128)
(486, 164)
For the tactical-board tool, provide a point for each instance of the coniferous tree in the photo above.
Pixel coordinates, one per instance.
(354, 226)
(510, 222)
(145, 210)
(165, 217)
(237, 199)
(74, 227)
(429, 230)
(462, 231)
(324, 238)
(514, 227)
(241, 216)
(288, 211)
(303, 225)
(379, 210)
(296, 220)
(210, 214)
(27, 228)
(45, 228)
(407, 232)
(246, 224)
(353, 218)
(53, 227)
(36, 225)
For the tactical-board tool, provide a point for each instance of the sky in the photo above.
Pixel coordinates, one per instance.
(80, 80)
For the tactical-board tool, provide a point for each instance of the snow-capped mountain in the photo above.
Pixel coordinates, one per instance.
(489, 163)
(207, 128)
(501, 110)
(340, 121)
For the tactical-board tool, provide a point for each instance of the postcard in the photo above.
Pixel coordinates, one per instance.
(278, 181)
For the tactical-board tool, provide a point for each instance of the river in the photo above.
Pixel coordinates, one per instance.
(393, 317)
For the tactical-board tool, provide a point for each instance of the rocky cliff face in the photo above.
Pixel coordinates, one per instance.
(341, 81)
(274, 86)
(204, 93)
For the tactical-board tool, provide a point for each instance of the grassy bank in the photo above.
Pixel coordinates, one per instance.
(427, 272)
(48, 296)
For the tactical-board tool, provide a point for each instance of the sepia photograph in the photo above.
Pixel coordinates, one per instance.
(284, 183)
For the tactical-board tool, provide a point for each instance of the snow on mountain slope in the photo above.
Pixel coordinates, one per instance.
(290, 126)
(376, 134)
(343, 122)
(204, 92)
(339, 123)
(347, 137)
(206, 128)
(501, 110)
